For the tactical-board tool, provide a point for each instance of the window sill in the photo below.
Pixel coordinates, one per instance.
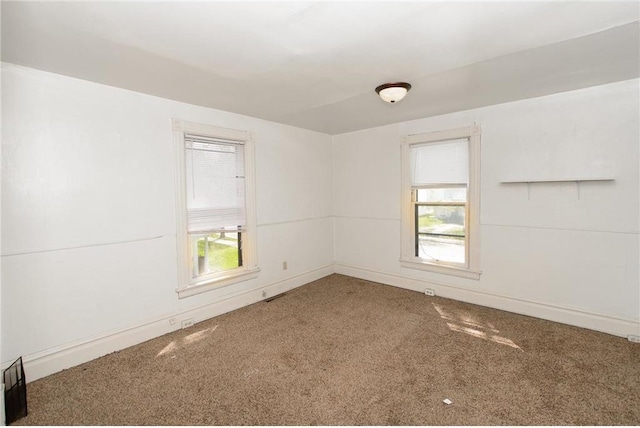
(441, 269)
(215, 283)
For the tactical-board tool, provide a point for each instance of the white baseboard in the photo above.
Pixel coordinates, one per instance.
(571, 316)
(72, 354)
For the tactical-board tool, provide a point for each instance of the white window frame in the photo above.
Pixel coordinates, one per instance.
(249, 269)
(408, 259)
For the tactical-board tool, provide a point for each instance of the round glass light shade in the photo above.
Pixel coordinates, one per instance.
(393, 92)
(391, 95)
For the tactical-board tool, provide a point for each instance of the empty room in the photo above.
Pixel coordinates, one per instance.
(320, 213)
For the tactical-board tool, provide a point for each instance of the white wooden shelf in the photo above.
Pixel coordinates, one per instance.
(576, 180)
(557, 180)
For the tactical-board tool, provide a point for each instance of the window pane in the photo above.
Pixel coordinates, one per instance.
(441, 233)
(451, 194)
(216, 252)
(441, 220)
(439, 249)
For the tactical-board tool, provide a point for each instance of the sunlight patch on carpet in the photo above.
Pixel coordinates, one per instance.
(170, 347)
(187, 340)
(465, 323)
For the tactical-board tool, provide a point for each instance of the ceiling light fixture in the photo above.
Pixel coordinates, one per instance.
(393, 92)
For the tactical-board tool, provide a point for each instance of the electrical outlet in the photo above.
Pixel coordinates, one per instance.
(284, 265)
(633, 338)
(429, 291)
(187, 323)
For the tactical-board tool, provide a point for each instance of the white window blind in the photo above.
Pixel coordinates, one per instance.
(445, 162)
(215, 184)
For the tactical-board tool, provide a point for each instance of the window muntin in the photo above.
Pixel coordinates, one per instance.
(440, 195)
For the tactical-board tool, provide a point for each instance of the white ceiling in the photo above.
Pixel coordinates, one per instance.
(316, 64)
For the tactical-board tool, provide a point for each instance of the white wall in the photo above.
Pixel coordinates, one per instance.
(88, 217)
(88, 213)
(549, 254)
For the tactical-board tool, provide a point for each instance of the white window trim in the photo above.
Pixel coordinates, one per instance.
(407, 257)
(249, 270)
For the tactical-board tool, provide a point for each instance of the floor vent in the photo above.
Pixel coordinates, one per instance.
(277, 296)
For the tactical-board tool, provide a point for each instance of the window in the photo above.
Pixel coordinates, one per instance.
(440, 194)
(215, 218)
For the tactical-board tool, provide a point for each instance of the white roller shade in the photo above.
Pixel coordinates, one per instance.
(445, 162)
(215, 184)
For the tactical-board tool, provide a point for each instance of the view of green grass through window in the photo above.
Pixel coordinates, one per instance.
(217, 252)
(440, 228)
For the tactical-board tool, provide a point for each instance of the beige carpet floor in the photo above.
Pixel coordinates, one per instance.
(343, 351)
